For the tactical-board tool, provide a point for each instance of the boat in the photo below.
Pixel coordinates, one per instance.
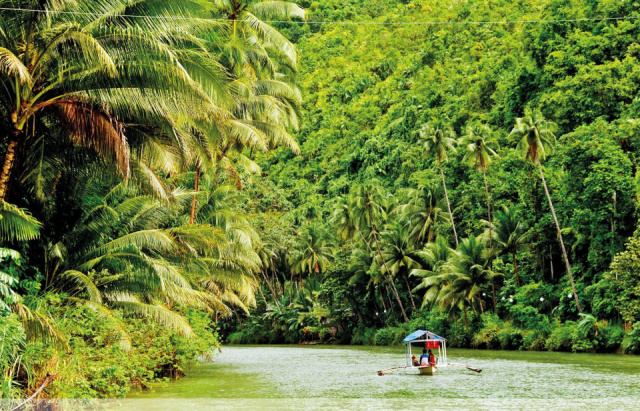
(430, 341)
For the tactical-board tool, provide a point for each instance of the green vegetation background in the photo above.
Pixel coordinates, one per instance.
(293, 270)
(369, 88)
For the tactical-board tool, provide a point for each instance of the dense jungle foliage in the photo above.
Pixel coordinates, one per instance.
(520, 121)
(241, 171)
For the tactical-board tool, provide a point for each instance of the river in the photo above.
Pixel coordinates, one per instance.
(345, 377)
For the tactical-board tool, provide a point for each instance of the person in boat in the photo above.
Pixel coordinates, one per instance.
(414, 361)
(432, 358)
(424, 358)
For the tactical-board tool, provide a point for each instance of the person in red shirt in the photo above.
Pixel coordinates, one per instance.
(432, 358)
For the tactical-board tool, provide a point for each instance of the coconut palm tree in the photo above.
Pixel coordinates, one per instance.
(263, 86)
(399, 254)
(127, 253)
(466, 272)
(246, 20)
(438, 140)
(536, 137)
(369, 213)
(432, 260)
(315, 250)
(510, 235)
(479, 144)
(422, 212)
(82, 72)
(342, 218)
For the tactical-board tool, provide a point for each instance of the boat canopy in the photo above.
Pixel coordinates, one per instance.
(431, 341)
(421, 336)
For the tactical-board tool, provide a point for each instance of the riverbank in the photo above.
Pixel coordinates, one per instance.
(522, 332)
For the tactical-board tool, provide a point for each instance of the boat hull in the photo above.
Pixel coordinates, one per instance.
(431, 370)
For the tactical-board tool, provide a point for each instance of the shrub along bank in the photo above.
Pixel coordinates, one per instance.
(93, 355)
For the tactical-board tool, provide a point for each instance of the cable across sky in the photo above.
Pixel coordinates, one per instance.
(344, 23)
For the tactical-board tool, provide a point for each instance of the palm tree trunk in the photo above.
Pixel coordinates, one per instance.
(386, 292)
(9, 160)
(386, 269)
(486, 189)
(194, 199)
(266, 304)
(446, 195)
(564, 251)
(275, 296)
(413, 304)
(466, 319)
(393, 286)
(291, 290)
(384, 305)
(493, 295)
(515, 266)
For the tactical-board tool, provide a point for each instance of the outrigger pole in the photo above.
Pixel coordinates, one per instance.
(394, 369)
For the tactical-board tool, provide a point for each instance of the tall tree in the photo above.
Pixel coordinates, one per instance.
(422, 212)
(261, 64)
(438, 140)
(464, 275)
(510, 235)
(399, 254)
(83, 71)
(479, 144)
(314, 250)
(369, 214)
(536, 137)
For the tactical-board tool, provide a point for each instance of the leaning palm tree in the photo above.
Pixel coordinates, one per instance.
(438, 140)
(479, 143)
(510, 235)
(536, 137)
(84, 71)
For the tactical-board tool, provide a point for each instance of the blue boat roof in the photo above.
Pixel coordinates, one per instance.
(422, 335)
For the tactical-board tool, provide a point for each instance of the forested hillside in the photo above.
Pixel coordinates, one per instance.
(181, 174)
(376, 97)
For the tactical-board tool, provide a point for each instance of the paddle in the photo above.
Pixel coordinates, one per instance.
(478, 370)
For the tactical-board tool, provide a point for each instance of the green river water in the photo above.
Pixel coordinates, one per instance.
(341, 377)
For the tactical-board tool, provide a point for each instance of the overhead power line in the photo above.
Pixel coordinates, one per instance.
(344, 23)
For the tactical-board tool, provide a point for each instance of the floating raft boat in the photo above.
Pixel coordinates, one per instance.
(431, 341)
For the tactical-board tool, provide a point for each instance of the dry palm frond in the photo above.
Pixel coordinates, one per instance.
(95, 129)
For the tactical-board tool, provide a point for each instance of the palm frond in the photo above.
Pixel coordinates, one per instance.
(83, 283)
(11, 65)
(16, 224)
(157, 313)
